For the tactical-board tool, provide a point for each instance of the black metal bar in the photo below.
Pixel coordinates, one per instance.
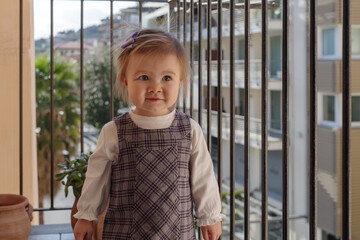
(140, 13)
(232, 120)
(264, 122)
(285, 117)
(111, 60)
(219, 95)
(346, 191)
(313, 124)
(184, 35)
(191, 57)
(200, 94)
(52, 103)
(246, 121)
(209, 76)
(82, 75)
(52, 209)
(21, 96)
(178, 19)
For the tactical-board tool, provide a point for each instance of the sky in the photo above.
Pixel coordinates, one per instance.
(67, 15)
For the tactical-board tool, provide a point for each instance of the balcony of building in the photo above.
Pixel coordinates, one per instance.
(19, 144)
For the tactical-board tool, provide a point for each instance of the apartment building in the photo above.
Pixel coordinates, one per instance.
(329, 116)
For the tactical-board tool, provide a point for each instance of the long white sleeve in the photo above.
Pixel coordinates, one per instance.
(204, 187)
(96, 189)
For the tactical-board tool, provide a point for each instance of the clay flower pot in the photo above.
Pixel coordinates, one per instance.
(15, 217)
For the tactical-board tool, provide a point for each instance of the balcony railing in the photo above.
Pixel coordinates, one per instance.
(255, 73)
(249, 125)
(255, 129)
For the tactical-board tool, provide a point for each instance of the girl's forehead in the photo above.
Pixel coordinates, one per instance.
(138, 59)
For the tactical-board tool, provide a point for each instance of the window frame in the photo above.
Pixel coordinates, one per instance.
(274, 130)
(337, 43)
(354, 123)
(355, 56)
(337, 105)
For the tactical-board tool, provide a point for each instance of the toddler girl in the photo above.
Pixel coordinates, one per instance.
(152, 162)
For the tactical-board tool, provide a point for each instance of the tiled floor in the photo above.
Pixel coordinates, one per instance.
(52, 232)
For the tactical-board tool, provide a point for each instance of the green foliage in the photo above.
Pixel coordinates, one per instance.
(73, 173)
(97, 93)
(66, 114)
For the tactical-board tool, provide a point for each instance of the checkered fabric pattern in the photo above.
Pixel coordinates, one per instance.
(150, 195)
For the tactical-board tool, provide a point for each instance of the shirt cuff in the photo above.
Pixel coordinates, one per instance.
(211, 220)
(85, 216)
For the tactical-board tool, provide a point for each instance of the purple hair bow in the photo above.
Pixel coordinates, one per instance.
(130, 40)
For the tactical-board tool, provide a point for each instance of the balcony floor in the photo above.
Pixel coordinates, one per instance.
(52, 232)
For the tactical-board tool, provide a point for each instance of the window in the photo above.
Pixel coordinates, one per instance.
(241, 49)
(328, 42)
(355, 41)
(328, 108)
(355, 109)
(275, 110)
(242, 102)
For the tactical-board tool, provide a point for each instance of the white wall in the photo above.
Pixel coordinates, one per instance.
(298, 129)
(9, 103)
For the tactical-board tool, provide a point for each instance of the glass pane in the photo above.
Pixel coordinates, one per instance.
(355, 41)
(329, 108)
(355, 109)
(275, 110)
(328, 41)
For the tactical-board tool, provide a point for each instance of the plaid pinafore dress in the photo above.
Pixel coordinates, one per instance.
(150, 196)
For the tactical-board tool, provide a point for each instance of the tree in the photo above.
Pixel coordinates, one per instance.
(66, 116)
(97, 89)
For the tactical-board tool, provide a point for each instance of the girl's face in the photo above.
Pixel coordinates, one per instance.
(153, 83)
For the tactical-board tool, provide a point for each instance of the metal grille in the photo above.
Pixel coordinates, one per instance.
(183, 6)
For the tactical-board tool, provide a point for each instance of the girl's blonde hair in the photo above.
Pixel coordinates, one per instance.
(150, 42)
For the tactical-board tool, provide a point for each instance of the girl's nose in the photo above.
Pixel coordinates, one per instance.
(155, 87)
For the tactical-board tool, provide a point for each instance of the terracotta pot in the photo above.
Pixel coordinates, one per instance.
(96, 227)
(15, 217)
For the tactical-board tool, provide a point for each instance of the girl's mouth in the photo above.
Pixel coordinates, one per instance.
(153, 99)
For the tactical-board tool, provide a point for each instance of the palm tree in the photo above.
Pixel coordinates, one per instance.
(66, 116)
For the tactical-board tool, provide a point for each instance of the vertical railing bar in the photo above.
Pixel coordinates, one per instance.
(312, 123)
(264, 122)
(246, 123)
(82, 75)
(52, 104)
(200, 62)
(285, 117)
(346, 191)
(219, 95)
(200, 73)
(140, 13)
(178, 19)
(184, 36)
(21, 96)
(111, 59)
(192, 57)
(232, 122)
(209, 75)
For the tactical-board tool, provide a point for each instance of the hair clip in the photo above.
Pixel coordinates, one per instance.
(130, 40)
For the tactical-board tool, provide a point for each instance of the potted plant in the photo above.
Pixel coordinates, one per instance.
(72, 174)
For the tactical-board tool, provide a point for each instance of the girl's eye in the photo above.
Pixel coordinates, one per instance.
(167, 78)
(143, 77)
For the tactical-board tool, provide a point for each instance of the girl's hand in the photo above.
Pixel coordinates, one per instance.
(83, 229)
(211, 232)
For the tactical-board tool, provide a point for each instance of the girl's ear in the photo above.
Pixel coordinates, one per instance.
(125, 82)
